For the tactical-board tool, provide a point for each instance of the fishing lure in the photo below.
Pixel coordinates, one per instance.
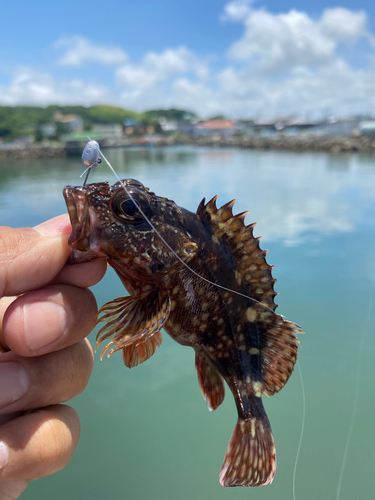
(90, 158)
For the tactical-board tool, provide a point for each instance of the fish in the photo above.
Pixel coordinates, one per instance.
(203, 278)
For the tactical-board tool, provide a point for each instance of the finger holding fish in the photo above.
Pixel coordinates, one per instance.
(45, 313)
(26, 385)
(48, 319)
(34, 257)
(82, 275)
(34, 445)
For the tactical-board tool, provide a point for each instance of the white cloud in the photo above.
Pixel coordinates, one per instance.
(336, 87)
(284, 63)
(198, 95)
(159, 67)
(80, 50)
(279, 42)
(235, 92)
(236, 10)
(30, 87)
(343, 24)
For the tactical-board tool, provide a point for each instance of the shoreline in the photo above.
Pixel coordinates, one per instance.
(361, 144)
(33, 151)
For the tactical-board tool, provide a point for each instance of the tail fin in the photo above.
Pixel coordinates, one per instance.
(250, 459)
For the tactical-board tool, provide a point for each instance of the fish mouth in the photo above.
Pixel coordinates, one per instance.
(84, 239)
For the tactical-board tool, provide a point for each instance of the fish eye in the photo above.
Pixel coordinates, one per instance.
(129, 206)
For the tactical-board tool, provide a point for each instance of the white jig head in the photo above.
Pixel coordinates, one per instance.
(91, 157)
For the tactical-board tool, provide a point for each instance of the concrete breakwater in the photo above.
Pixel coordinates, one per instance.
(32, 151)
(362, 144)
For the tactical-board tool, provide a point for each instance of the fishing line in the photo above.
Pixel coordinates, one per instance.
(356, 393)
(171, 249)
(302, 429)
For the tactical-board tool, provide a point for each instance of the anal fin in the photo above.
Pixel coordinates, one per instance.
(210, 381)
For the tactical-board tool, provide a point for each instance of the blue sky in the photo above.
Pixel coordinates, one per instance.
(238, 58)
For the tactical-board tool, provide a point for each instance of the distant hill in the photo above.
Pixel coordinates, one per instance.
(110, 114)
(18, 121)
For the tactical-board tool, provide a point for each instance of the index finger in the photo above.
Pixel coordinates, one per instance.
(31, 258)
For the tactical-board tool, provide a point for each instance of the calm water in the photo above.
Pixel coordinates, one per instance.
(146, 432)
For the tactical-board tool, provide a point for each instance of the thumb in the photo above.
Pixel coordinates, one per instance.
(31, 258)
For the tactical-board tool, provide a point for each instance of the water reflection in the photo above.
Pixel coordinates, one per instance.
(148, 428)
(292, 196)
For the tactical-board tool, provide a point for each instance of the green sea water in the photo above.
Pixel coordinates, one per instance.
(146, 432)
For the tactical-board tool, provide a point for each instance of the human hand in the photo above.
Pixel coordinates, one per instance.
(45, 358)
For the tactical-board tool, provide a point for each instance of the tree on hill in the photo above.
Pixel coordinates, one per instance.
(170, 114)
(21, 120)
(110, 114)
(27, 120)
(217, 117)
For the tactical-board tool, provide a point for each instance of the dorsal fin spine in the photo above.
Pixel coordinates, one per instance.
(252, 267)
(201, 206)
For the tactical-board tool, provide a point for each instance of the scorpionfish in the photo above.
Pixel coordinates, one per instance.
(204, 279)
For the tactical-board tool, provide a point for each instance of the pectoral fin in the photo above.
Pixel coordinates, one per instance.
(135, 354)
(133, 322)
(210, 382)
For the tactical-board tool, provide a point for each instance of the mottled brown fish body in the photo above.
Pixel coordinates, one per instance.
(216, 297)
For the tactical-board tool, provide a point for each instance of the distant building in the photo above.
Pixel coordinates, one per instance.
(186, 127)
(73, 123)
(111, 131)
(182, 126)
(168, 125)
(366, 127)
(48, 129)
(292, 123)
(130, 122)
(341, 126)
(225, 128)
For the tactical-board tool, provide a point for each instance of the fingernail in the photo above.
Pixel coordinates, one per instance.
(58, 226)
(14, 383)
(44, 323)
(4, 454)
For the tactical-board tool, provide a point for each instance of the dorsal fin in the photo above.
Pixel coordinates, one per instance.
(251, 265)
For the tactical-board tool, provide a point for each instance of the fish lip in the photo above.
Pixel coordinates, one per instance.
(84, 239)
(76, 202)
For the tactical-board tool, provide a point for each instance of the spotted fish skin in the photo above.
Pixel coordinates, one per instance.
(237, 337)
